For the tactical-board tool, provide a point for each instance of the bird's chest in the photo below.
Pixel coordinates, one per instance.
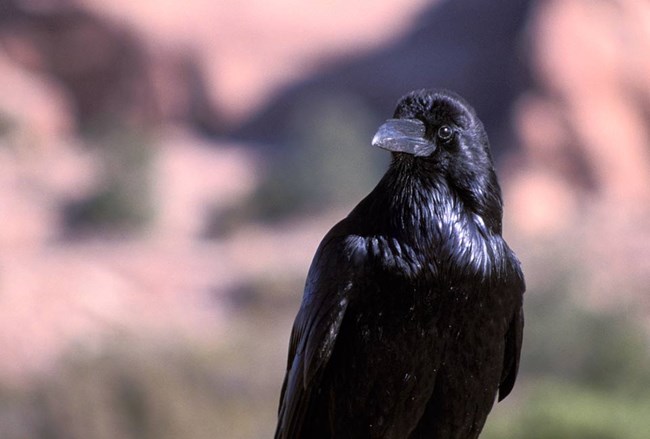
(426, 308)
(405, 318)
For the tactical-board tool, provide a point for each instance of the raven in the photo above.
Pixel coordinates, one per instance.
(411, 320)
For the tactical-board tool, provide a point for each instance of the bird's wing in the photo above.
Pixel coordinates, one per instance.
(327, 294)
(512, 353)
(514, 338)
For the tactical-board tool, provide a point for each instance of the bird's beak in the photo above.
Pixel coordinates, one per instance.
(404, 135)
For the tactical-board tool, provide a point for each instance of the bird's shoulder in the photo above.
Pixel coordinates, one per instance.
(325, 299)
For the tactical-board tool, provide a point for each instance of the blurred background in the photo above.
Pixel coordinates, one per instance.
(167, 170)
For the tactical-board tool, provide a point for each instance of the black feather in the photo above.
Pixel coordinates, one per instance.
(411, 321)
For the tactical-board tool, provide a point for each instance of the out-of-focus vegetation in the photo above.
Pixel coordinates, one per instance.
(561, 409)
(134, 388)
(123, 202)
(146, 390)
(584, 375)
(327, 160)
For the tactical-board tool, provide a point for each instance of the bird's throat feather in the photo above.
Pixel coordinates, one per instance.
(422, 219)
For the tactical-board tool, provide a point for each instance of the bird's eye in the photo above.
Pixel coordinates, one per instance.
(445, 133)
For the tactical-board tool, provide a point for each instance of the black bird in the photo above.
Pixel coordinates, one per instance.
(411, 320)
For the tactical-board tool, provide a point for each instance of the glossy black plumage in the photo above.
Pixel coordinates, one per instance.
(411, 319)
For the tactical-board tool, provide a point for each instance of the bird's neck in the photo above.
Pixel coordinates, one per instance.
(420, 192)
(423, 211)
(421, 206)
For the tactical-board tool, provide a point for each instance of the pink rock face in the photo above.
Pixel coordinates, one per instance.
(251, 50)
(583, 162)
(64, 66)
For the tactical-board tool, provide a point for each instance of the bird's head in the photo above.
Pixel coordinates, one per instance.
(437, 134)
